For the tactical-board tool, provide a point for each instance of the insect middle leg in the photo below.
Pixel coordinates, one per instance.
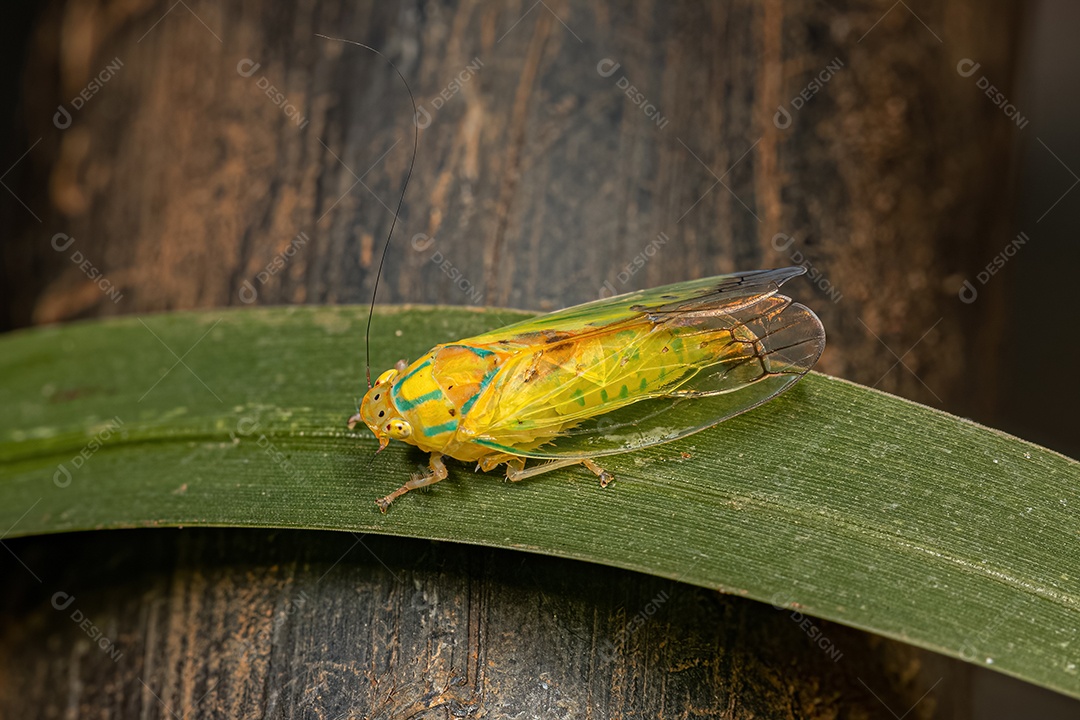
(490, 462)
(419, 480)
(516, 474)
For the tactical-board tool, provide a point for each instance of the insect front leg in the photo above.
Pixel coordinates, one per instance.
(419, 480)
(518, 474)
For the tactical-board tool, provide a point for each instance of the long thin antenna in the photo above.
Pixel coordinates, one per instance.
(393, 224)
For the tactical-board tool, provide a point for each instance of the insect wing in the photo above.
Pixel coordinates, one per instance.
(772, 341)
(733, 289)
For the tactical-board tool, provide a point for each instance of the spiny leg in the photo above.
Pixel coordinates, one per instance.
(518, 474)
(418, 480)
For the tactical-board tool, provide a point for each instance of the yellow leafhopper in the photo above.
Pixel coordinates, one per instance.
(606, 377)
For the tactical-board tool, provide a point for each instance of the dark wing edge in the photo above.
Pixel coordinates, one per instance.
(719, 289)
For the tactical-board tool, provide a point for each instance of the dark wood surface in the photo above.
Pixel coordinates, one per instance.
(229, 624)
(537, 182)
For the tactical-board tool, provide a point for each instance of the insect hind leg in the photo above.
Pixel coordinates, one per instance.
(436, 473)
(605, 477)
(519, 474)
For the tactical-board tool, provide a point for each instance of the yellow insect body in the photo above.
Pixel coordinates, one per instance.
(597, 379)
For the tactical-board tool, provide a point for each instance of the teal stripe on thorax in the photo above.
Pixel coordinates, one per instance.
(478, 352)
(404, 404)
(450, 426)
(418, 368)
(483, 386)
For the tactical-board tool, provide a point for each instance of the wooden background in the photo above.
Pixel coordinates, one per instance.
(538, 182)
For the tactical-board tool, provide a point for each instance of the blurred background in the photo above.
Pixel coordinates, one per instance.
(1038, 403)
(918, 158)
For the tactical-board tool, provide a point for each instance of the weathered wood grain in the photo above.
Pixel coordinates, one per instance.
(539, 183)
(230, 623)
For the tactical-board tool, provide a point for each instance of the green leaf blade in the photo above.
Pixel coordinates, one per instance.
(844, 502)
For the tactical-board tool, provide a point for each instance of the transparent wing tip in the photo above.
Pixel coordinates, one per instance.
(792, 339)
